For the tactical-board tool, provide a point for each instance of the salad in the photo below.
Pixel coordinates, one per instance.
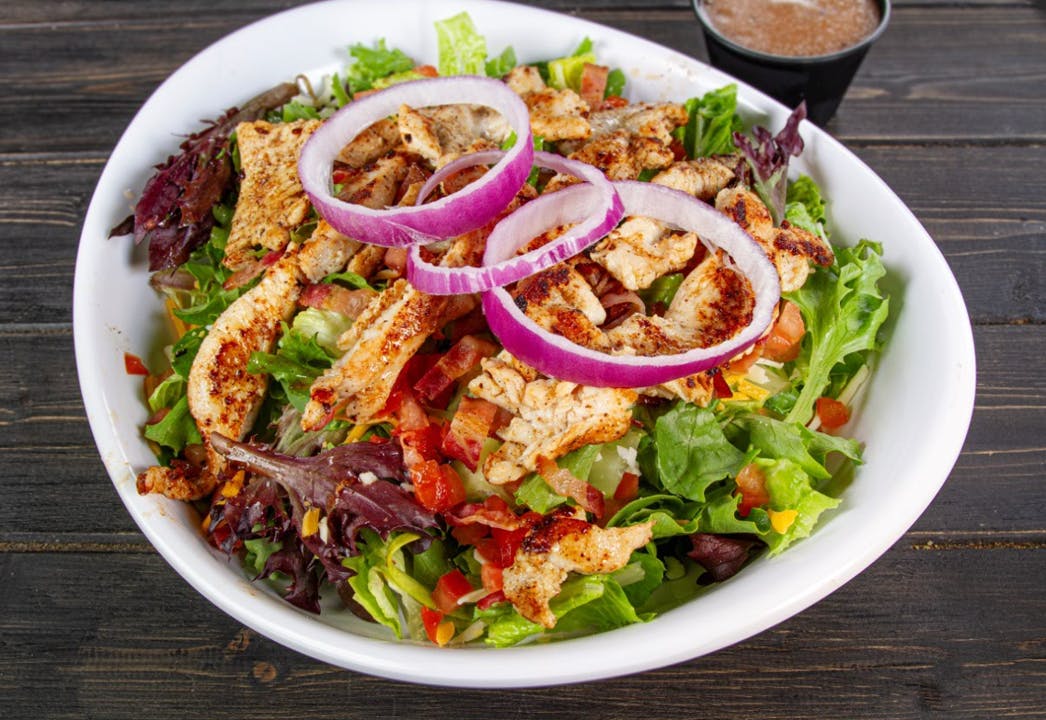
(486, 353)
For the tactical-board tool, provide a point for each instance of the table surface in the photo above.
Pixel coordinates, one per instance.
(949, 108)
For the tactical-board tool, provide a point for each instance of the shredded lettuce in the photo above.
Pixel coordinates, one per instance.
(805, 207)
(462, 49)
(374, 63)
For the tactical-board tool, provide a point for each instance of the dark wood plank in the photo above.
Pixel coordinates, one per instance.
(57, 490)
(912, 637)
(97, 73)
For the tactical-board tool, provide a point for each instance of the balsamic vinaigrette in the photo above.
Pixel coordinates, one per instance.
(794, 28)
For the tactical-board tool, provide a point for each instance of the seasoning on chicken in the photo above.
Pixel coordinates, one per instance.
(649, 120)
(272, 201)
(550, 417)
(702, 177)
(375, 185)
(326, 251)
(790, 248)
(441, 133)
(558, 545)
(712, 304)
(641, 249)
(554, 114)
(377, 346)
(373, 142)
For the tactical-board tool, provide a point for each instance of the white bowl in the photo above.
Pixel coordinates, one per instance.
(928, 362)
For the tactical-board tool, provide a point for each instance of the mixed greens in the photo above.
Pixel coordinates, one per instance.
(333, 511)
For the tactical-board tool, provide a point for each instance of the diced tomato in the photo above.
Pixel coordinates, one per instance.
(469, 429)
(460, 359)
(832, 413)
(498, 596)
(491, 575)
(328, 296)
(593, 84)
(426, 71)
(437, 486)
(627, 487)
(431, 619)
(134, 365)
(785, 339)
(743, 364)
(720, 385)
(449, 589)
(752, 484)
(500, 548)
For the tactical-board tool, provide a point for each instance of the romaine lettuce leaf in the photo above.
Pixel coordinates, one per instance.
(176, 429)
(691, 452)
(805, 207)
(792, 441)
(462, 50)
(297, 362)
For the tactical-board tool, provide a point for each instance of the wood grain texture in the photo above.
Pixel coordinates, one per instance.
(871, 650)
(951, 622)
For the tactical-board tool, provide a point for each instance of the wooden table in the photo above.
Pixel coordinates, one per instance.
(949, 108)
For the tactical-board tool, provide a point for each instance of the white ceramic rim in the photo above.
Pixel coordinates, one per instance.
(112, 314)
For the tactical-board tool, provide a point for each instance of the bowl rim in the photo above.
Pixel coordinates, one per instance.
(885, 9)
(554, 664)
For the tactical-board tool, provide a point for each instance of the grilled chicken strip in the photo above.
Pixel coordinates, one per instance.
(551, 417)
(386, 334)
(557, 545)
(441, 133)
(702, 177)
(641, 249)
(790, 248)
(223, 396)
(272, 200)
(554, 114)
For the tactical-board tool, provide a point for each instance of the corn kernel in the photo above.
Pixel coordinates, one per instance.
(444, 632)
(310, 524)
(781, 520)
(232, 487)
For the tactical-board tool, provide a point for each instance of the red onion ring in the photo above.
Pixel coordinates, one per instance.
(594, 206)
(557, 357)
(455, 214)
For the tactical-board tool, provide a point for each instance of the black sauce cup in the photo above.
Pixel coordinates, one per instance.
(821, 80)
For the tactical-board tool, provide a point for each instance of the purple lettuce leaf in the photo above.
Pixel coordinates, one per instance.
(768, 158)
(174, 211)
(721, 555)
(328, 480)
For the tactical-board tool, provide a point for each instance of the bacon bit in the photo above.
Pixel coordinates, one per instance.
(593, 84)
(564, 483)
(396, 259)
(134, 365)
(454, 364)
(678, 150)
(612, 102)
(469, 429)
(328, 296)
(492, 513)
(251, 270)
